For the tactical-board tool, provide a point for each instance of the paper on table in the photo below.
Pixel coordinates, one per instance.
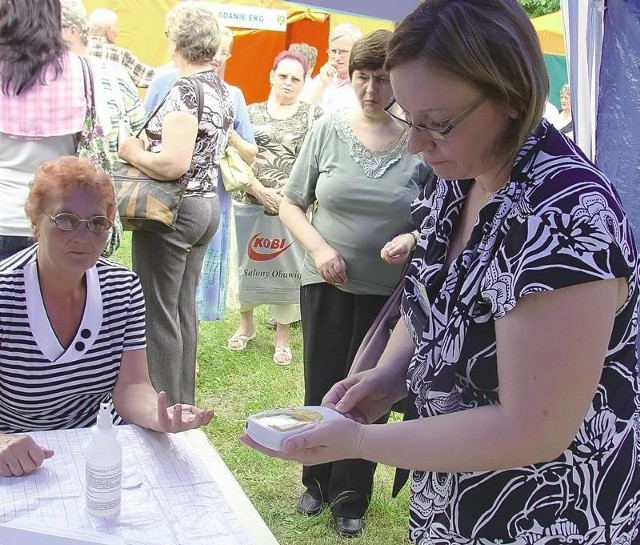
(28, 533)
(171, 499)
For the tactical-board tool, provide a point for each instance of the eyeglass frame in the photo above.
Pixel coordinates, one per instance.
(54, 219)
(340, 52)
(435, 133)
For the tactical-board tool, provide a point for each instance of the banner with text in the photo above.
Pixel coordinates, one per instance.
(251, 17)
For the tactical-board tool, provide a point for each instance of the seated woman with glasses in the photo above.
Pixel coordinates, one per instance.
(72, 325)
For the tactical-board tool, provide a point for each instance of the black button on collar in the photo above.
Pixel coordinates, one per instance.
(85, 333)
(79, 346)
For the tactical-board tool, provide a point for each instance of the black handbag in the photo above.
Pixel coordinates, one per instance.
(144, 203)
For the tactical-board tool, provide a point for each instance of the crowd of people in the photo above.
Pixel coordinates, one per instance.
(422, 158)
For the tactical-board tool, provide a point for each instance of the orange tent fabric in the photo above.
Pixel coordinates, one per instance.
(254, 50)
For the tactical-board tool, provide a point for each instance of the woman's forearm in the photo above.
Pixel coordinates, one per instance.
(478, 439)
(137, 403)
(160, 166)
(247, 150)
(294, 218)
(179, 132)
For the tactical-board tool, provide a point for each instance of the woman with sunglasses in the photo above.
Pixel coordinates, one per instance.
(516, 350)
(72, 325)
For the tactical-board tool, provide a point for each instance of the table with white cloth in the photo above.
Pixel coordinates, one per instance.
(176, 490)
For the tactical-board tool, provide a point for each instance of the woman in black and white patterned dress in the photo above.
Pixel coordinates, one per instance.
(517, 346)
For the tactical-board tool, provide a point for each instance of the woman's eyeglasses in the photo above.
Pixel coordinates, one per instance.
(336, 52)
(436, 132)
(70, 222)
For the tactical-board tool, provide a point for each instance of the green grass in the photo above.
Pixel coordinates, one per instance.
(237, 384)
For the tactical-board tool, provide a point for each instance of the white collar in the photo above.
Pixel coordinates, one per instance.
(41, 328)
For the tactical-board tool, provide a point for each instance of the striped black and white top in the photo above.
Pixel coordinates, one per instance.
(44, 385)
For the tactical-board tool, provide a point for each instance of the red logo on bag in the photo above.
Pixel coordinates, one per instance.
(277, 244)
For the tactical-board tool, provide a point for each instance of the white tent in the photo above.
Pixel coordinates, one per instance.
(583, 22)
(603, 55)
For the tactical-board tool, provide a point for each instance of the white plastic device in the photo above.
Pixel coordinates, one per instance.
(271, 428)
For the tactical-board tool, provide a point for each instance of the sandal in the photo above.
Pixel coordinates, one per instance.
(239, 342)
(282, 355)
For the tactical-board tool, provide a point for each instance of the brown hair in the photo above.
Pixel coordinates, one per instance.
(67, 173)
(370, 51)
(309, 52)
(490, 44)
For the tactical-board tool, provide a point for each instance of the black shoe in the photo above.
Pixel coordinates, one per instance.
(348, 527)
(309, 505)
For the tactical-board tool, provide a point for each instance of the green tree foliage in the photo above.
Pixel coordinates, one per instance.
(535, 8)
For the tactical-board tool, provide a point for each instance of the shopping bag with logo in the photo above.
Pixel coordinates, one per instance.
(269, 259)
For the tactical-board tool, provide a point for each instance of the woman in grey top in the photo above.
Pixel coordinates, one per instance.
(355, 169)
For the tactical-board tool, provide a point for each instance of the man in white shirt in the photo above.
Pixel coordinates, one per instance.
(551, 113)
(331, 88)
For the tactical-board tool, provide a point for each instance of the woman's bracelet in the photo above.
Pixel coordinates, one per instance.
(414, 235)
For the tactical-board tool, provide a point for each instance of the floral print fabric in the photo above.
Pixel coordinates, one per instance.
(558, 222)
(279, 141)
(217, 117)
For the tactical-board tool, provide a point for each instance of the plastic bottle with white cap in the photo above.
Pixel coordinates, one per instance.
(103, 484)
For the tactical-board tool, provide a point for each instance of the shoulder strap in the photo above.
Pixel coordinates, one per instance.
(87, 77)
(199, 98)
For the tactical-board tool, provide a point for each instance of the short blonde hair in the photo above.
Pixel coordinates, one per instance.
(194, 28)
(489, 44)
(309, 52)
(345, 30)
(74, 13)
(100, 19)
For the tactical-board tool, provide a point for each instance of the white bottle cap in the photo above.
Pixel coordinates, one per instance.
(104, 416)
